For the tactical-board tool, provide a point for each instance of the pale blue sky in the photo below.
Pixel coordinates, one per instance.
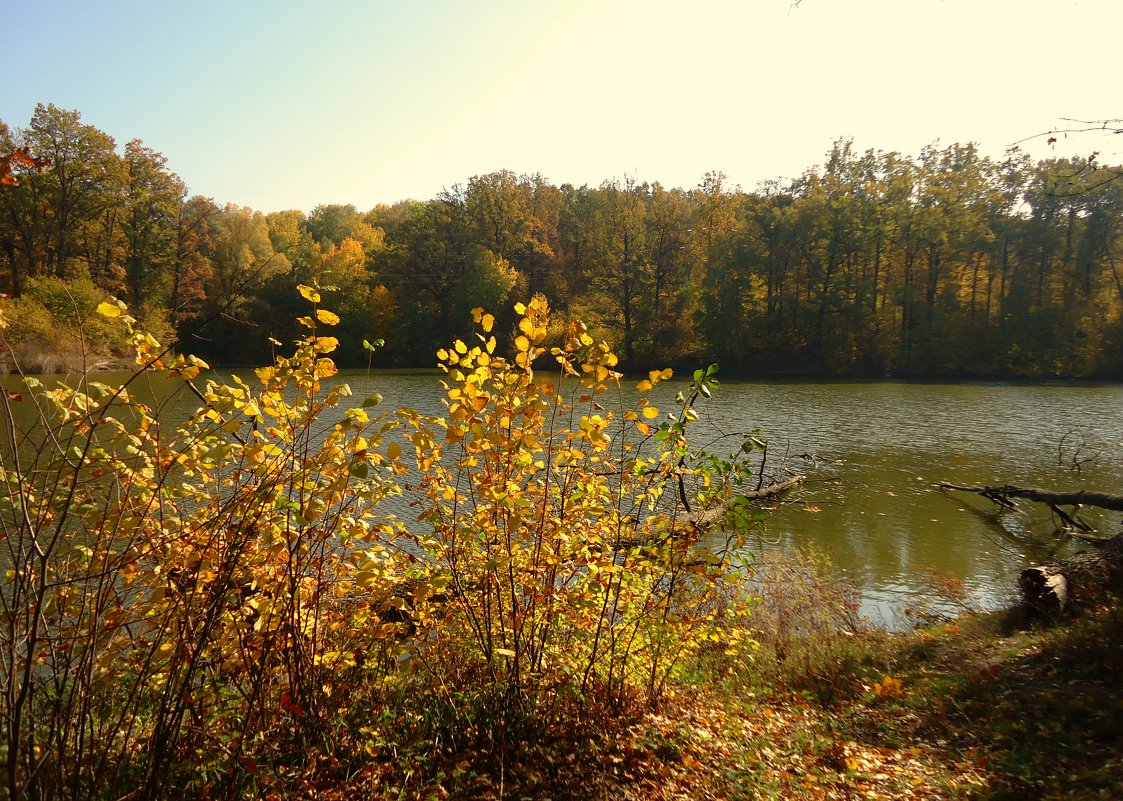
(290, 104)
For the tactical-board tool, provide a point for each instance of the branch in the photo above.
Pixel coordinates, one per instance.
(1002, 494)
(1111, 126)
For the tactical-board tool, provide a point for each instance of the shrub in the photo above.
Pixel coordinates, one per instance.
(170, 592)
(808, 626)
(54, 328)
(560, 567)
(197, 609)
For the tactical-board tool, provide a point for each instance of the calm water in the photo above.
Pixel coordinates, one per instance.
(872, 453)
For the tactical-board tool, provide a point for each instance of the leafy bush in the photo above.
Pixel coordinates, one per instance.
(199, 609)
(54, 328)
(170, 591)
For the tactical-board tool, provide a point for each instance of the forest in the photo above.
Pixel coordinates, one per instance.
(945, 264)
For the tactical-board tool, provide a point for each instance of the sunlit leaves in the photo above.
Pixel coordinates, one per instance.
(109, 310)
(523, 479)
(545, 539)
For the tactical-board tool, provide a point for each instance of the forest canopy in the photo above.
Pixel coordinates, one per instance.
(947, 263)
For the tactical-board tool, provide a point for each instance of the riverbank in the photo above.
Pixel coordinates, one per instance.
(978, 707)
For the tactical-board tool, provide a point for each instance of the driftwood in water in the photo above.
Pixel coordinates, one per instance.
(712, 517)
(772, 490)
(1002, 495)
(1077, 582)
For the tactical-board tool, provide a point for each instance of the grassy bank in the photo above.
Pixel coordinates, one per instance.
(820, 706)
(976, 708)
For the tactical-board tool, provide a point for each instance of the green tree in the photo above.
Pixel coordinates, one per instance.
(153, 198)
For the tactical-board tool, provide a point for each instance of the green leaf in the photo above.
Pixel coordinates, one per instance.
(359, 469)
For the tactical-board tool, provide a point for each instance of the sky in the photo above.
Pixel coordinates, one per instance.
(291, 104)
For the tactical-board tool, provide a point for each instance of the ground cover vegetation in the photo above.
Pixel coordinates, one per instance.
(948, 263)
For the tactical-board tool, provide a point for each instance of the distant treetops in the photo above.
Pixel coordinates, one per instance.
(945, 264)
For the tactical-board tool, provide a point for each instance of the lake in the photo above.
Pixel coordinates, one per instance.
(873, 452)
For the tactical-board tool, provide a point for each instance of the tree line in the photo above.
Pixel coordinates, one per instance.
(950, 263)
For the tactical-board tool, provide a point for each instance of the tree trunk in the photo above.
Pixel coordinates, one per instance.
(1075, 583)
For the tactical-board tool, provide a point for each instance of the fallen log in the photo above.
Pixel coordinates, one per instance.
(1071, 584)
(1076, 583)
(772, 490)
(712, 517)
(1054, 500)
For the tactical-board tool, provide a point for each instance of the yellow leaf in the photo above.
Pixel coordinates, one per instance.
(308, 293)
(650, 412)
(460, 346)
(526, 326)
(326, 344)
(520, 308)
(326, 317)
(393, 451)
(488, 322)
(521, 343)
(643, 428)
(643, 386)
(108, 310)
(888, 687)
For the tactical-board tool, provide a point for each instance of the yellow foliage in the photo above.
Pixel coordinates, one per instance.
(239, 561)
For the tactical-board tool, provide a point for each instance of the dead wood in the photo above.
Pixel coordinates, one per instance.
(1079, 582)
(1071, 584)
(1003, 495)
(711, 517)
